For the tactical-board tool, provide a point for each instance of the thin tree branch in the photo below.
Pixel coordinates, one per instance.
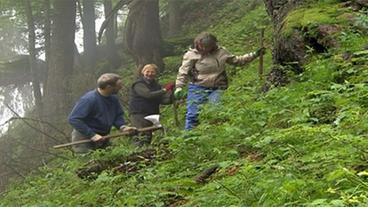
(39, 150)
(28, 124)
(11, 167)
(36, 120)
(116, 8)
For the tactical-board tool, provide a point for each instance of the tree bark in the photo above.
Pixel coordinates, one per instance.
(47, 36)
(288, 52)
(89, 33)
(143, 35)
(278, 10)
(32, 58)
(112, 54)
(58, 91)
(174, 17)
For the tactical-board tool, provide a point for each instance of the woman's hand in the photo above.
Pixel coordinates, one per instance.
(179, 93)
(169, 86)
(261, 51)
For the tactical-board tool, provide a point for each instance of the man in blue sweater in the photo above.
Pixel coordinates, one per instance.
(96, 112)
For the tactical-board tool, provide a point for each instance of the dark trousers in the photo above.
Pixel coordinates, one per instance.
(86, 147)
(138, 121)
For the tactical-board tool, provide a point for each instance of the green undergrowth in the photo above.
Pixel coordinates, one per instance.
(304, 144)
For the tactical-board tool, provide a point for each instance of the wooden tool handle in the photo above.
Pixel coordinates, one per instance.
(260, 68)
(151, 128)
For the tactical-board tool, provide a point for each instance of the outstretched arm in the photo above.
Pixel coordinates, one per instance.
(143, 91)
(244, 59)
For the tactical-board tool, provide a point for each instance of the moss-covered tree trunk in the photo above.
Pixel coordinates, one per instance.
(288, 52)
(143, 35)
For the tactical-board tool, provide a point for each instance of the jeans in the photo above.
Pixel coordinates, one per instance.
(198, 95)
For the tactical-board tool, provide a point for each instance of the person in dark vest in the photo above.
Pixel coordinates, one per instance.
(96, 112)
(146, 95)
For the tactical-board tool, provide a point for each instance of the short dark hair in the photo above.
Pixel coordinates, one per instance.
(205, 39)
(107, 79)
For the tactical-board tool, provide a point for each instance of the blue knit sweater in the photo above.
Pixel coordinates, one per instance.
(94, 113)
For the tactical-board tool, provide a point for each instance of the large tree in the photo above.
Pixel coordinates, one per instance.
(143, 35)
(89, 33)
(58, 94)
(175, 21)
(112, 54)
(32, 57)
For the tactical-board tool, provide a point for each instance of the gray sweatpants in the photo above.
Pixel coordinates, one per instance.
(86, 147)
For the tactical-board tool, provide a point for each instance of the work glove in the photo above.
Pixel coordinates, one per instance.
(179, 93)
(97, 138)
(128, 129)
(261, 51)
(169, 86)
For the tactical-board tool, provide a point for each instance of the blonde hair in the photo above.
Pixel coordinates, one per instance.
(154, 66)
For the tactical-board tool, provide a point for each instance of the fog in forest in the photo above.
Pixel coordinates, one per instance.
(17, 99)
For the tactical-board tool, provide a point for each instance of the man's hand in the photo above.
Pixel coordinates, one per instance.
(169, 86)
(128, 129)
(97, 138)
(179, 93)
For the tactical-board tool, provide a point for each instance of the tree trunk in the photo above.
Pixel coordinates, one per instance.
(278, 10)
(35, 73)
(286, 50)
(89, 33)
(143, 35)
(112, 54)
(47, 36)
(32, 58)
(58, 91)
(174, 17)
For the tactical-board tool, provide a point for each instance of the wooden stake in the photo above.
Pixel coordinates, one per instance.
(260, 69)
(175, 110)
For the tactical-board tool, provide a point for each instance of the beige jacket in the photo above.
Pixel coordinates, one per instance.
(208, 70)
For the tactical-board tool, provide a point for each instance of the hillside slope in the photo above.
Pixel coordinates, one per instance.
(304, 144)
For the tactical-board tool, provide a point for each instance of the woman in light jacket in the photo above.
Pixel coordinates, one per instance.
(204, 67)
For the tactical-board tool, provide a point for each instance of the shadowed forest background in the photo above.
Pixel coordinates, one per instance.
(295, 135)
